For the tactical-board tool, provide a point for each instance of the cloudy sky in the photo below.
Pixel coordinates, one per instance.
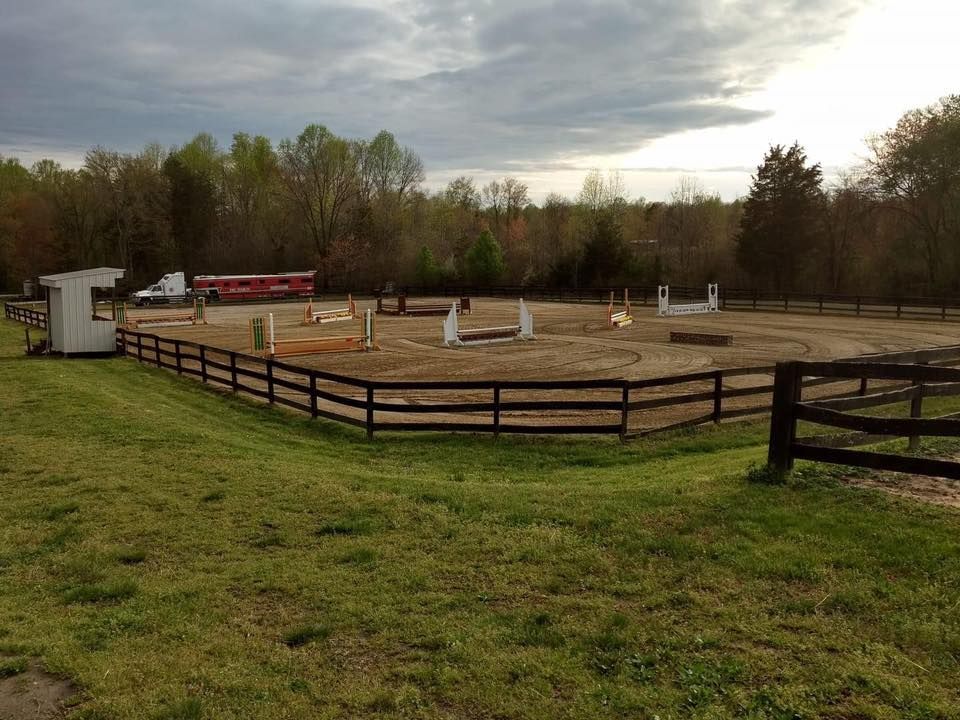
(540, 90)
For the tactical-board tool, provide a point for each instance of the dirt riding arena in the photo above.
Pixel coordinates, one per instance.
(572, 342)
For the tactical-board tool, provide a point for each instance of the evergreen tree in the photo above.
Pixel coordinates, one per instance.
(485, 260)
(781, 219)
(427, 272)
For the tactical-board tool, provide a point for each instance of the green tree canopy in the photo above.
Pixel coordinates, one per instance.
(915, 170)
(781, 220)
(484, 259)
(427, 271)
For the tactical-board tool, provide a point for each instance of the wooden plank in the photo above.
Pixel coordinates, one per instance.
(671, 380)
(938, 354)
(879, 371)
(434, 427)
(858, 401)
(759, 370)
(691, 422)
(747, 391)
(289, 402)
(561, 429)
(290, 384)
(938, 427)
(941, 389)
(878, 461)
(744, 412)
(460, 407)
(341, 399)
(671, 401)
(845, 440)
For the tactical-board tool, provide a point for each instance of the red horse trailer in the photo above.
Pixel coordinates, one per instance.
(247, 287)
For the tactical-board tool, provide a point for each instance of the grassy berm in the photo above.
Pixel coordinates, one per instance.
(180, 553)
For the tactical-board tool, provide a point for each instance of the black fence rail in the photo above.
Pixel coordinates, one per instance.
(729, 299)
(915, 375)
(625, 408)
(24, 314)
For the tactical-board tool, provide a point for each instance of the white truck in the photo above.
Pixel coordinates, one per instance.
(172, 287)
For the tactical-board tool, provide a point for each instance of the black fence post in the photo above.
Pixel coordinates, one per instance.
(123, 342)
(270, 391)
(916, 411)
(624, 410)
(717, 394)
(783, 424)
(496, 411)
(176, 349)
(139, 347)
(313, 394)
(369, 412)
(203, 363)
(156, 349)
(863, 387)
(233, 370)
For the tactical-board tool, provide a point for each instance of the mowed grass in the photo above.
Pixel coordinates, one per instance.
(180, 553)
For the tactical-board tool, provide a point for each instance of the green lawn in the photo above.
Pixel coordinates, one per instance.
(180, 553)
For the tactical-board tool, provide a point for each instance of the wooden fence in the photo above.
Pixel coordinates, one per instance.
(591, 407)
(27, 315)
(914, 374)
(627, 408)
(919, 308)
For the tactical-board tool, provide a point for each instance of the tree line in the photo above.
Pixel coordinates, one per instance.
(356, 210)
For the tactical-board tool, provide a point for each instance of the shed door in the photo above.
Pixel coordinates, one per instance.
(55, 319)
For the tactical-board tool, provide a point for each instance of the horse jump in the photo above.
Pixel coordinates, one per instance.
(665, 308)
(402, 307)
(264, 342)
(198, 316)
(311, 316)
(698, 338)
(621, 318)
(453, 335)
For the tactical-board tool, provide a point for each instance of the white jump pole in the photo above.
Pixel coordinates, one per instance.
(273, 347)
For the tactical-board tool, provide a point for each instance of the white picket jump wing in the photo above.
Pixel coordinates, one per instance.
(451, 328)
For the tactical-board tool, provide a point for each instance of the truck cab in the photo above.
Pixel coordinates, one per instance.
(170, 288)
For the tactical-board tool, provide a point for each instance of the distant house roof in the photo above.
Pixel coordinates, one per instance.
(108, 273)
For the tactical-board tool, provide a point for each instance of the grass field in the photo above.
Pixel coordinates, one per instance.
(179, 553)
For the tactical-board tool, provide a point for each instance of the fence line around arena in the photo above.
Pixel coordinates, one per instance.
(387, 405)
(900, 307)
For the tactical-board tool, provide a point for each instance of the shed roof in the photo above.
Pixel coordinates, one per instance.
(57, 280)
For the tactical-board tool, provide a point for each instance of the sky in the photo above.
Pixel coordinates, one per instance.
(543, 91)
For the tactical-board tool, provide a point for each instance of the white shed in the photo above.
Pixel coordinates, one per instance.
(72, 322)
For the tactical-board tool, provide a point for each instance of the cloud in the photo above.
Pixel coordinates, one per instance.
(495, 85)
